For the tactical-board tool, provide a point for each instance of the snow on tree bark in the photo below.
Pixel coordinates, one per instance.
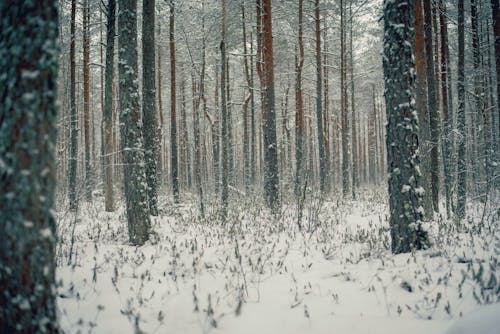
(135, 183)
(405, 192)
(151, 140)
(28, 68)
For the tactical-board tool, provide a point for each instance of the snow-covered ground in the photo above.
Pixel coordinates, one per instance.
(259, 274)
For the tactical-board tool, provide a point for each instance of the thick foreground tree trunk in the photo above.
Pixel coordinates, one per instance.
(136, 196)
(405, 192)
(28, 67)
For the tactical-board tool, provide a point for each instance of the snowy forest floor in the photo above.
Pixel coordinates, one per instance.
(258, 273)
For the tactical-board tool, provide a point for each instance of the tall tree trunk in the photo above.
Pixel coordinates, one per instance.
(402, 121)
(299, 107)
(271, 177)
(422, 107)
(130, 128)
(161, 168)
(326, 111)
(149, 127)
(446, 138)
(248, 99)
(432, 105)
(216, 136)
(28, 115)
(319, 103)
(253, 156)
(344, 102)
(477, 166)
(86, 99)
(73, 156)
(108, 108)
(174, 164)
(462, 134)
(196, 123)
(495, 10)
(355, 162)
(225, 139)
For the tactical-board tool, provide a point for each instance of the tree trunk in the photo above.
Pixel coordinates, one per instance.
(130, 128)
(299, 108)
(422, 107)
(344, 103)
(225, 135)
(28, 116)
(432, 105)
(447, 134)
(73, 156)
(495, 10)
(355, 162)
(402, 123)
(149, 127)
(108, 109)
(319, 103)
(271, 177)
(462, 134)
(174, 164)
(86, 99)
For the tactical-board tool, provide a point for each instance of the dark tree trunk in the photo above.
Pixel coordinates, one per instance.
(225, 135)
(174, 163)
(319, 103)
(86, 99)
(28, 115)
(73, 156)
(271, 177)
(432, 105)
(422, 107)
(108, 108)
(344, 103)
(402, 121)
(462, 134)
(355, 162)
(299, 108)
(495, 10)
(130, 128)
(149, 130)
(447, 135)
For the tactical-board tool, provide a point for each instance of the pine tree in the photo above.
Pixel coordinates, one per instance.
(108, 107)
(432, 105)
(405, 192)
(462, 134)
(299, 106)
(28, 68)
(174, 163)
(271, 177)
(151, 142)
(135, 185)
(73, 146)
(319, 104)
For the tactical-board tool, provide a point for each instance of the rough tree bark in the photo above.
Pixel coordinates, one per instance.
(432, 105)
(402, 122)
(174, 163)
(299, 106)
(462, 134)
(73, 156)
(149, 131)
(108, 108)
(136, 197)
(271, 177)
(319, 103)
(28, 113)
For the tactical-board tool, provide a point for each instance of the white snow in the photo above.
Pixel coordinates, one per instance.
(259, 274)
(484, 320)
